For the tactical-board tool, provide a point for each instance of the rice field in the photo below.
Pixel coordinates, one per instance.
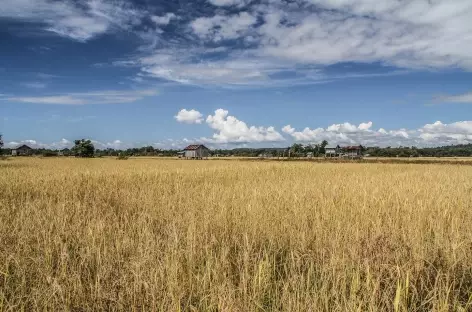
(176, 235)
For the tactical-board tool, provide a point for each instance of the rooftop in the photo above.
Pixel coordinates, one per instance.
(194, 147)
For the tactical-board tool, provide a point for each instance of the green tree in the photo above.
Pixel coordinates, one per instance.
(1, 144)
(83, 148)
(322, 147)
(296, 149)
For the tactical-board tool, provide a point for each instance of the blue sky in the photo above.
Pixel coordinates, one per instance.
(231, 73)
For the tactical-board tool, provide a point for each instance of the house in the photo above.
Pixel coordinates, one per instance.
(353, 151)
(22, 150)
(196, 151)
(332, 151)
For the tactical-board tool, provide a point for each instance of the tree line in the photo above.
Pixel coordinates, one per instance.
(85, 148)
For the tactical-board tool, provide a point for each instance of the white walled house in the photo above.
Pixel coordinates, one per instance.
(332, 151)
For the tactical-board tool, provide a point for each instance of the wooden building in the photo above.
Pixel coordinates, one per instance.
(353, 151)
(332, 151)
(196, 151)
(344, 152)
(22, 150)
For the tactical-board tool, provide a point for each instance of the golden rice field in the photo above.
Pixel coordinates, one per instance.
(219, 235)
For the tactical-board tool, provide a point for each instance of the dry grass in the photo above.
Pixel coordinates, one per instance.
(172, 235)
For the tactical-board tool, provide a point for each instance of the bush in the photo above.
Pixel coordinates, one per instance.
(49, 154)
(122, 157)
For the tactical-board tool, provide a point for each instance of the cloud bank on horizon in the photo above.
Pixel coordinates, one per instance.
(230, 129)
(231, 132)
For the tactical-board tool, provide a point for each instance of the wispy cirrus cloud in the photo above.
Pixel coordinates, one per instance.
(164, 19)
(238, 3)
(289, 43)
(78, 21)
(458, 98)
(96, 97)
(266, 43)
(35, 85)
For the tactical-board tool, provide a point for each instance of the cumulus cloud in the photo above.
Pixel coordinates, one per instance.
(365, 125)
(64, 143)
(453, 133)
(94, 97)
(229, 129)
(61, 144)
(189, 116)
(116, 144)
(434, 134)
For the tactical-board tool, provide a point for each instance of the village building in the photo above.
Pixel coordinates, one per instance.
(353, 151)
(22, 150)
(332, 151)
(196, 151)
(347, 151)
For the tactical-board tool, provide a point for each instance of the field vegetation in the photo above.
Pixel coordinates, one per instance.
(176, 235)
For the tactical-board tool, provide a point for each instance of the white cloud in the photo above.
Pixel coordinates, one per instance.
(61, 144)
(221, 27)
(238, 3)
(344, 127)
(460, 98)
(365, 126)
(435, 134)
(164, 19)
(177, 66)
(407, 34)
(232, 130)
(59, 99)
(116, 144)
(189, 116)
(78, 22)
(288, 129)
(453, 133)
(95, 97)
(298, 39)
(34, 85)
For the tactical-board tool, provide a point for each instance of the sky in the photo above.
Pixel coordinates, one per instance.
(235, 73)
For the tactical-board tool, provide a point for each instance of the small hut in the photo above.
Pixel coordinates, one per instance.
(353, 151)
(196, 151)
(22, 150)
